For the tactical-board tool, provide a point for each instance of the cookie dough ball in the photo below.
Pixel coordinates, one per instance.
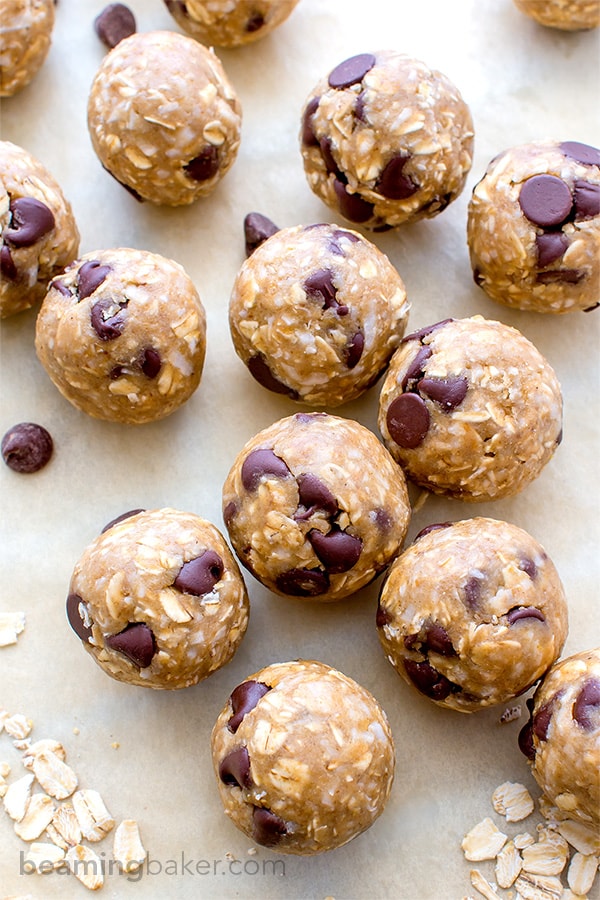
(562, 738)
(315, 506)
(304, 757)
(229, 23)
(158, 599)
(534, 227)
(567, 15)
(470, 409)
(38, 232)
(122, 334)
(25, 38)
(164, 118)
(472, 614)
(316, 313)
(386, 140)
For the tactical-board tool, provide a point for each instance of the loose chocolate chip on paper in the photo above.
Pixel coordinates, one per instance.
(199, 576)
(136, 642)
(91, 275)
(303, 582)
(268, 828)
(27, 447)
(30, 220)
(582, 153)
(351, 70)
(352, 206)
(262, 463)
(448, 392)
(545, 200)
(257, 228)
(78, 617)
(587, 200)
(392, 183)
(586, 709)
(408, 420)
(115, 22)
(524, 612)
(550, 246)
(338, 550)
(243, 700)
(121, 518)
(204, 166)
(260, 371)
(235, 768)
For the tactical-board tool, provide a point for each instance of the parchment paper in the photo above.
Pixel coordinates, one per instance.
(147, 752)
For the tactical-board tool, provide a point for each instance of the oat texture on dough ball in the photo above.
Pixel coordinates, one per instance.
(25, 39)
(229, 23)
(473, 613)
(316, 312)
(470, 409)
(566, 15)
(386, 140)
(38, 231)
(304, 757)
(562, 737)
(163, 117)
(533, 227)
(315, 506)
(122, 334)
(158, 600)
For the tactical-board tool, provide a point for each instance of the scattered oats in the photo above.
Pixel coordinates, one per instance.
(508, 865)
(86, 865)
(18, 726)
(583, 838)
(538, 887)
(4, 769)
(482, 885)
(46, 745)
(17, 796)
(523, 840)
(582, 872)
(546, 857)
(115, 745)
(55, 776)
(484, 841)
(39, 814)
(94, 819)
(64, 829)
(229, 855)
(43, 857)
(510, 714)
(12, 625)
(251, 851)
(76, 730)
(513, 801)
(128, 849)
(3, 718)
(22, 745)
(549, 810)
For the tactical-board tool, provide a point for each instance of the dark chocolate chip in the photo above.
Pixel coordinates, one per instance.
(136, 642)
(115, 22)
(428, 680)
(542, 718)
(382, 616)
(91, 275)
(525, 741)
(108, 318)
(121, 518)
(27, 447)
(582, 153)
(229, 513)
(472, 592)
(307, 418)
(235, 768)
(267, 829)
(243, 699)
(308, 136)
(328, 158)
(30, 220)
(560, 276)
(478, 277)
(423, 332)
(351, 70)
(550, 246)
(354, 349)
(587, 200)
(204, 166)
(524, 612)
(61, 287)
(338, 550)
(359, 108)
(314, 496)
(303, 582)
(320, 287)
(255, 23)
(527, 565)
(392, 183)
(7, 264)
(448, 392)
(78, 617)
(262, 463)
(417, 367)
(198, 576)
(151, 362)
(408, 420)
(127, 187)
(436, 526)
(339, 235)
(437, 639)
(546, 200)
(260, 371)
(586, 708)
(352, 206)
(383, 519)
(257, 228)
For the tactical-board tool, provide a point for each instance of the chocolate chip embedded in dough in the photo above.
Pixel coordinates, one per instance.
(329, 159)
(541, 720)
(336, 237)
(61, 287)
(151, 362)
(136, 642)
(437, 639)
(560, 276)
(586, 708)
(587, 200)
(7, 264)
(243, 700)
(303, 582)
(392, 183)
(527, 565)
(121, 518)
(352, 206)
(319, 286)
(27, 447)
(91, 275)
(199, 576)
(114, 23)
(108, 318)
(545, 200)
(30, 221)
(525, 740)
(255, 23)
(408, 420)
(260, 371)
(582, 153)
(268, 828)
(204, 166)
(472, 592)
(234, 769)
(257, 228)
(448, 392)
(428, 680)
(423, 332)
(338, 550)
(382, 616)
(354, 349)
(524, 612)
(550, 246)
(435, 526)
(314, 496)
(351, 70)
(417, 367)
(309, 138)
(262, 463)
(78, 617)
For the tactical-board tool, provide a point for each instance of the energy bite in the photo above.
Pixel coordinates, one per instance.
(304, 757)
(122, 334)
(533, 227)
(316, 312)
(315, 507)
(472, 614)
(386, 140)
(566, 15)
(158, 599)
(562, 737)
(25, 39)
(229, 23)
(163, 117)
(38, 232)
(470, 409)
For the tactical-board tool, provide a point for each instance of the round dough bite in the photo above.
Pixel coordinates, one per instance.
(315, 506)
(533, 227)
(316, 312)
(164, 118)
(122, 334)
(158, 600)
(38, 231)
(472, 614)
(470, 409)
(229, 23)
(566, 15)
(25, 39)
(303, 756)
(562, 737)
(386, 140)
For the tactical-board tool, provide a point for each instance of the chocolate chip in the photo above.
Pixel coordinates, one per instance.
(560, 276)
(382, 616)
(27, 447)
(437, 639)
(328, 158)
(582, 153)
(546, 200)
(354, 349)
(314, 496)
(136, 642)
(115, 22)
(121, 518)
(524, 612)
(472, 592)
(268, 829)
(243, 699)
(550, 246)
(320, 287)
(257, 228)
(204, 166)
(78, 617)
(351, 70)
(303, 582)
(586, 708)
(527, 565)
(392, 183)
(448, 392)
(262, 463)
(127, 187)
(230, 512)
(383, 519)
(307, 418)
(338, 550)
(359, 108)
(260, 371)
(91, 275)
(428, 680)
(525, 741)
(151, 362)
(352, 206)
(335, 238)
(198, 576)
(417, 368)
(108, 318)
(308, 136)
(7, 264)
(587, 200)
(61, 287)
(542, 718)
(30, 220)
(436, 526)
(423, 332)
(235, 768)
(255, 23)
(408, 420)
